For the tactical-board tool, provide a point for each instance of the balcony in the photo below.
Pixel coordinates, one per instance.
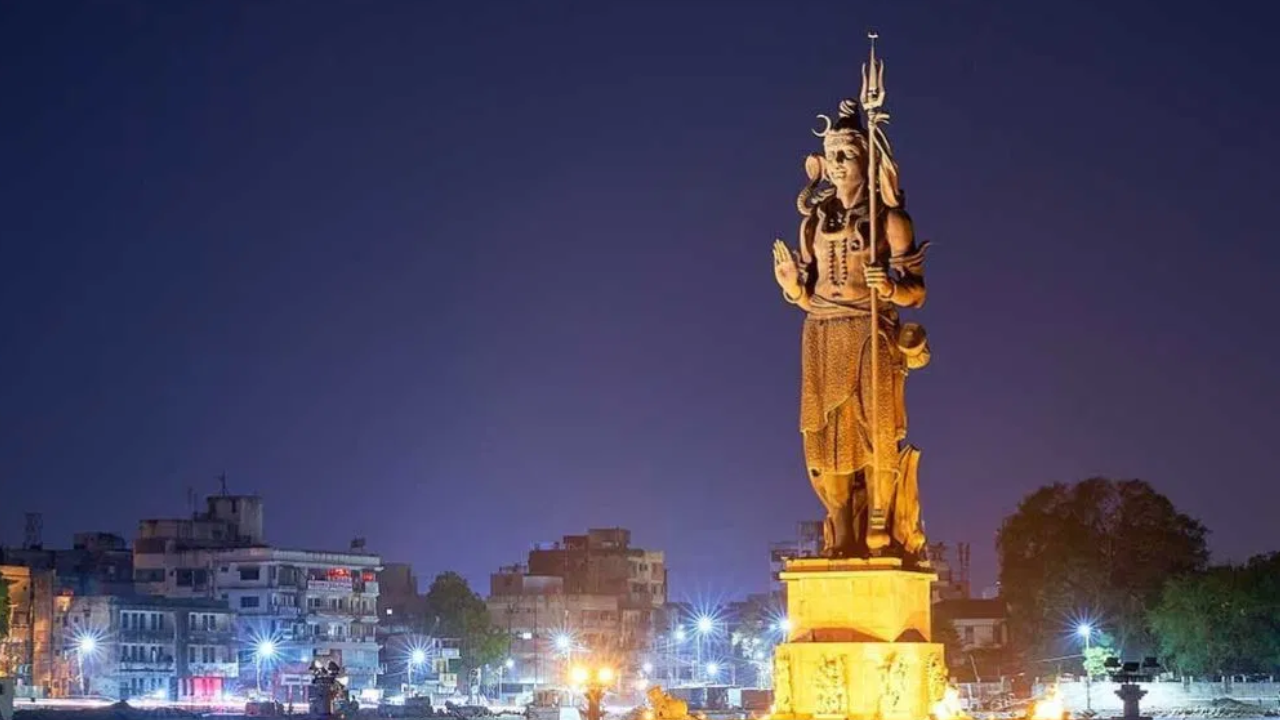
(164, 664)
(223, 670)
(163, 636)
(329, 586)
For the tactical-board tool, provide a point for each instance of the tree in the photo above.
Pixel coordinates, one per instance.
(1223, 621)
(462, 614)
(1099, 547)
(1101, 648)
(4, 608)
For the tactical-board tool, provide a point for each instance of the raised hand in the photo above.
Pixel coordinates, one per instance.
(784, 269)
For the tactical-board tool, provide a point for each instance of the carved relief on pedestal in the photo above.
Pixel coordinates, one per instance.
(937, 675)
(895, 676)
(831, 692)
(782, 682)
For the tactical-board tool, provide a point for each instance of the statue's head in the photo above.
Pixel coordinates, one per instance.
(844, 148)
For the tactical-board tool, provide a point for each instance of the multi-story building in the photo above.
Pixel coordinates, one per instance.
(953, 576)
(97, 563)
(127, 646)
(604, 563)
(28, 651)
(293, 605)
(806, 543)
(548, 626)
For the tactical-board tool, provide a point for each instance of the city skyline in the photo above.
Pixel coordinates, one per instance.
(459, 281)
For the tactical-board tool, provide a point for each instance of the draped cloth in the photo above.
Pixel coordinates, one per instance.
(835, 391)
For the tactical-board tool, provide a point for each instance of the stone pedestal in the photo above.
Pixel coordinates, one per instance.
(858, 646)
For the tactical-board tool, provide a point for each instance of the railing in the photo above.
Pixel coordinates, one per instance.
(343, 586)
(202, 669)
(165, 663)
(166, 634)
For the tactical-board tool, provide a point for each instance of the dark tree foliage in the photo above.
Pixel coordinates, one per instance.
(1102, 548)
(4, 608)
(461, 613)
(1223, 621)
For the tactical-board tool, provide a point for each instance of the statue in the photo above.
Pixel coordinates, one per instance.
(857, 263)
(666, 707)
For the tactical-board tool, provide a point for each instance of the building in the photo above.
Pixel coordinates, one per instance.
(953, 576)
(132, 646)
(292, 605)
(806, 543)
(97, 563)
(604, 563)
(981, 624)
(414, 660)
(28, 652)
(550, 626)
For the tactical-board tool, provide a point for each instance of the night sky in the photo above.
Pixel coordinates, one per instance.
(458, 277)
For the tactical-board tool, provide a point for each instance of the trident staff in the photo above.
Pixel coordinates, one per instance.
(872, 99)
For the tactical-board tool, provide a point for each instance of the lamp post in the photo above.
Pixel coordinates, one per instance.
(593, 684)
(85, 646)
(704, 626)
(265, 650)
(1085, 630)
(417, 657)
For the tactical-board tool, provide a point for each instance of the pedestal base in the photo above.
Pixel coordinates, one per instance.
(864, 680)
(859, 644)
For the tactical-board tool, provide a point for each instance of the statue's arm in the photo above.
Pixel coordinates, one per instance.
(906, 261)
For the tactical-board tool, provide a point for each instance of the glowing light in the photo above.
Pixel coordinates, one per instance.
(647, 667)
(1049, 707)
(418, 656)
(1084, 630)
(563, 642)
(86, 645)
(526, 635)
(642, 684)
(713, 669)
(948, 708)
(784, 624)
(679, 634)
(266, 649)
(579, 675)
(510, 663)
(605, 675)
(705, 624)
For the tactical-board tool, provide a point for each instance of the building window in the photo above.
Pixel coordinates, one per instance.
(250, 573)
(250, 601)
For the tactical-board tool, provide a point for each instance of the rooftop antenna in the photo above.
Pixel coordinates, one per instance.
(33, 535)
(222, 481)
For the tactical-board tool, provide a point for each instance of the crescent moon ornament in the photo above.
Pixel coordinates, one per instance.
(826, 121)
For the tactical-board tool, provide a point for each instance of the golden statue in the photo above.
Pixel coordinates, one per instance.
(664, 706)
(857, 263)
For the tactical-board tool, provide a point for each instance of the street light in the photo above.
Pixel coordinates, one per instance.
(1085, 630)
(595, 683)
(86, 646)
(417, 657)
(704, 625)
(265, 650)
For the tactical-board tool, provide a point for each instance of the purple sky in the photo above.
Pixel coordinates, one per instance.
(457, 277)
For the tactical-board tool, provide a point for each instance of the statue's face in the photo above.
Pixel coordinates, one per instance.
(843, 166)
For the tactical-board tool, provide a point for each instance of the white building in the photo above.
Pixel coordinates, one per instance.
(293, 605)
(136, 646)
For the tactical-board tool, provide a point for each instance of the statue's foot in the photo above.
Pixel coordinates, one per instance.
(877, 540)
